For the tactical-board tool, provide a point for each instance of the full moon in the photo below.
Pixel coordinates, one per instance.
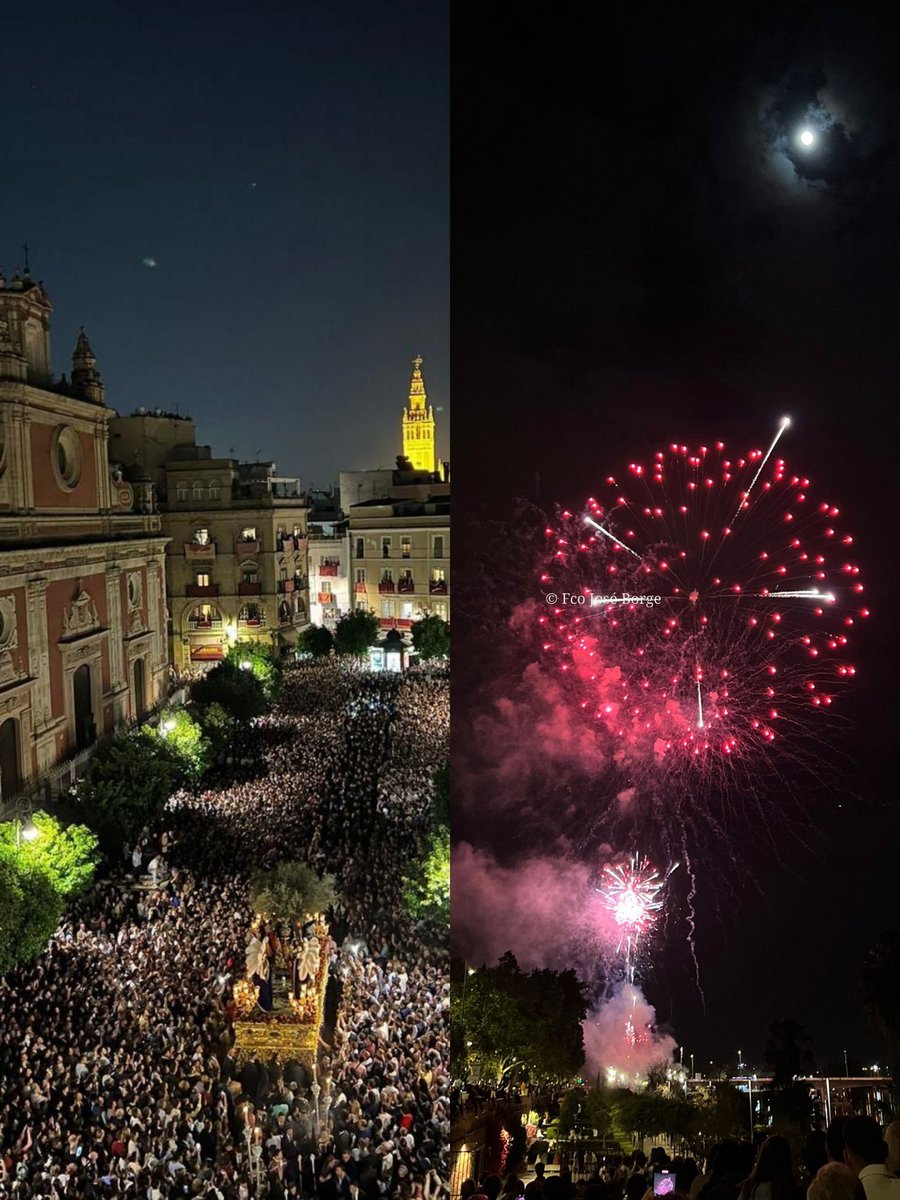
(807, 138)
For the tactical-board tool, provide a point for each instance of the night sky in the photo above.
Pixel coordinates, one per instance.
(286, 166)
(643, 253)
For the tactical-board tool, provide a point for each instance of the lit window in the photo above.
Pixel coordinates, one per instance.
(360, 574)
(438, 575)
(248, 533)
(387, 608)
(406, 610)
(202, 579)
(201, 537)
(405, 547)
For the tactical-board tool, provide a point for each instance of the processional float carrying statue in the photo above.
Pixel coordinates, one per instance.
(278, 1005)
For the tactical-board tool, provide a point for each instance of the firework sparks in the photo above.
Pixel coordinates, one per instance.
(745, 638)
(631, 893)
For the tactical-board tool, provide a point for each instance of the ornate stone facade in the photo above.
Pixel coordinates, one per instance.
(81, 556)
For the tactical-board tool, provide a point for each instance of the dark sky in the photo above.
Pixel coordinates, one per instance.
(285, 165)
(642, 253)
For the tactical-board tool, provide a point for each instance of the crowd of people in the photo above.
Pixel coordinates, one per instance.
(116, 1071)
(852, 1160)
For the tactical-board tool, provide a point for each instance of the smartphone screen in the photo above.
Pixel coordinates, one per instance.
(663, 1183)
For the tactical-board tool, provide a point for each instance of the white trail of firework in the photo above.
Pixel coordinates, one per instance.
(785, 421)
(612, 537)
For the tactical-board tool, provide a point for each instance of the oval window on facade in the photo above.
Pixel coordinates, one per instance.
(66, 458)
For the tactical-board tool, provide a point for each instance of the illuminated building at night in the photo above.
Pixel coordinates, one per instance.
(82, 577)
(418, 424)
(236, 561)
(399, 526)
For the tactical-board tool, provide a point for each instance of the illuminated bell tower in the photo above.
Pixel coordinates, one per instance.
(418, 424)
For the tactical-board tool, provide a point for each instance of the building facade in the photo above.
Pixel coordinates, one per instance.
(236, 563)
(400, 559)
(82, 577)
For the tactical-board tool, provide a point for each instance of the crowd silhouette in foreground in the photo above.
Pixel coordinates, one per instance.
(116, 1077)
(852, 1160)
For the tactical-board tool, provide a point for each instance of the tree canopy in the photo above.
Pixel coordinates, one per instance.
(355, 633)
(507, 1019)
(880, 980)
(237, 691)
(291, 891)
(316, 640)
(426, 889)
(260, 660)
(431, 637)
(127, 784)
(185, 736)
(66, 854)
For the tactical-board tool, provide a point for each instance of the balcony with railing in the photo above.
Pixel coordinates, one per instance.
(360, 589)
(201, 589)
(329, 570)
(247, 549)
(406, 586)
(249, 587)
(286, 545)
(200, 550)
(437, 587)
(200, 624)
(286, 586)
(251, 622)
(387, 587)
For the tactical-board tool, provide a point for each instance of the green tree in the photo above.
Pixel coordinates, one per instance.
(184, 735)
(316, 640)
(723, 1113)
(789, 1053)
(508, 1020)
(426, 889)
(440, 804)
(880, 980)
(127, 784)
(239, 692)
(217, 725)
(431, 637)
(355, 633)
(30, 909)
(263, 664)
(291, 891)
(66, 854)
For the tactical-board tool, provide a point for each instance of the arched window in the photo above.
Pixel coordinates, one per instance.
(10, 763)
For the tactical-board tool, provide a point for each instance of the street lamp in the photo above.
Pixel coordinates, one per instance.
(30, 831)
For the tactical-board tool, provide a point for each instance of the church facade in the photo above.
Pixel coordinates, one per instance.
(82, 577)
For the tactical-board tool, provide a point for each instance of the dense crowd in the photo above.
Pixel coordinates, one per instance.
(852, 1160)
(116, 1076)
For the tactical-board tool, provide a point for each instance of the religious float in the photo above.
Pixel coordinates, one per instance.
(278, 1005)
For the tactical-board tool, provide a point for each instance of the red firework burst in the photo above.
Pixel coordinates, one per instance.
(702, 607)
